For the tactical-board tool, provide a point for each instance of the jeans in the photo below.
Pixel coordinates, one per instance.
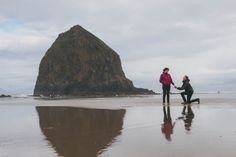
(166, 92)
(189, 96)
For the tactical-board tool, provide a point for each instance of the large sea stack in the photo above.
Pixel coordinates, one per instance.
(80, 64)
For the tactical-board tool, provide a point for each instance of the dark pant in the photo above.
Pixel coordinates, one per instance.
(167, 116)
(189, 96)
(166, 92)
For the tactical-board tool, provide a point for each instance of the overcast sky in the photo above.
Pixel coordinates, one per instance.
(197, 38)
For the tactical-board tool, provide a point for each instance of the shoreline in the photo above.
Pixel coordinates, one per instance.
(111, 103)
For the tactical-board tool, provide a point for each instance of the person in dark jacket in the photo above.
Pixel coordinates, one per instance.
(166, 81)
(188, 90)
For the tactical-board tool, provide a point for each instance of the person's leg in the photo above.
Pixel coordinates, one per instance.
(189, 96)
(183, 112)
(165, 114)
(183, 97)
(168, 94)
(195, 100)
(168, 114)
(164, 93)
(190, 111)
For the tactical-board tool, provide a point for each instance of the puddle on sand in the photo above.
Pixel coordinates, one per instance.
(153, 131)
(177, 131)
(75, 132)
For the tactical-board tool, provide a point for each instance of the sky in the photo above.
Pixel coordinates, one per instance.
(194, 38)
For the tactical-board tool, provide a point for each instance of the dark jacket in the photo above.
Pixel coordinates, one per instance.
(186, 86)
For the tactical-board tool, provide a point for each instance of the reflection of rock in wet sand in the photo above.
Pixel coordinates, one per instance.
(75, 132)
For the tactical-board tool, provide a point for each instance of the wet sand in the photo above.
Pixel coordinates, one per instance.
(133, 127)
(119, 102)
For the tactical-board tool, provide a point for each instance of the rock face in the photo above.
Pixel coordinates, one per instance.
(80, 64)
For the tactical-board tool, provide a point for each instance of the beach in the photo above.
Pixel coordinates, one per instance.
(119, 126)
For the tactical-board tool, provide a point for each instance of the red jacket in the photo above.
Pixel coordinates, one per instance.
(166, 79)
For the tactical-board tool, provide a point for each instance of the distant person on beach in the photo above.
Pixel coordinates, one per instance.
(167, 127)
(188, 90)
(166, 81)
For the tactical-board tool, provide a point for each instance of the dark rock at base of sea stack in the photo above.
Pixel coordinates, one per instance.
(80, 64)
(5, 96)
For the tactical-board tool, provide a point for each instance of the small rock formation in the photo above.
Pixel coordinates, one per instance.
(80, 64)
(5, 96)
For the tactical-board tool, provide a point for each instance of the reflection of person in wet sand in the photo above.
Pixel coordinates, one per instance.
(187, 117)
(167, 126)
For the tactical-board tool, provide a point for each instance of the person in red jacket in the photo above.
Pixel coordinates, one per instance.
(166, 81)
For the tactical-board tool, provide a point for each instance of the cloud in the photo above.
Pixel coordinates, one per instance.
(191, 37)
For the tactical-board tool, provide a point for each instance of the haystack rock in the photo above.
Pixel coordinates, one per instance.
(80, 64)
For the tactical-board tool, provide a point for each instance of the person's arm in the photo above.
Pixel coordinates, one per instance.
(172, 81)
(183, 87)
(161, 79)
